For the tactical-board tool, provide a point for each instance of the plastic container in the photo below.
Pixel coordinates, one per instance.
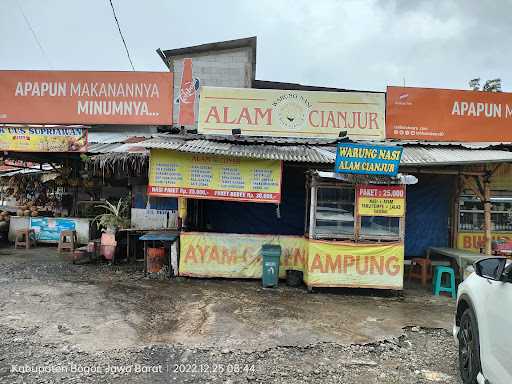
(294, 278)
(271, 255)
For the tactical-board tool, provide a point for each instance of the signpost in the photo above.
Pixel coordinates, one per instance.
(367, 159)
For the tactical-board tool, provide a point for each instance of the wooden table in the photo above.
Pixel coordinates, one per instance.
(461, 257)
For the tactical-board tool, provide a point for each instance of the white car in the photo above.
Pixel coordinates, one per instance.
(483, 323)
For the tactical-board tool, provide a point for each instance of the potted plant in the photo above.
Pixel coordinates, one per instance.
(114, 218)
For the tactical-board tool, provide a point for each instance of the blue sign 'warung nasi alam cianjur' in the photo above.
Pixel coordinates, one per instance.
(367, 159)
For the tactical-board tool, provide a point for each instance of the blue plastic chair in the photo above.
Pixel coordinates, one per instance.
(438, 278)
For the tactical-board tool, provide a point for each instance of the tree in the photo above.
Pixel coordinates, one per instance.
(493, 85)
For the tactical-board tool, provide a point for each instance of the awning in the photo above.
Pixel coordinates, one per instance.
(417, 156)
(297, 153)
(441, 156)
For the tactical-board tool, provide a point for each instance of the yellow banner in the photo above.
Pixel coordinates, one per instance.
(473, 241)
(234, 255)
(43, 139)
(325, 264)
(338, 264)
(199, 176)
(381, 200)
(271, 112)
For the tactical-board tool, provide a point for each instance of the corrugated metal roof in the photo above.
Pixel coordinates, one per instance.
(420, 156)
(469, 145)
(116, 137)
(254, 139)
(298, 153)
(427, 156)
(118, 147)
(374, 179)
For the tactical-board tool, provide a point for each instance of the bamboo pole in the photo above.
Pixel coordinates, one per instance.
(487, 216)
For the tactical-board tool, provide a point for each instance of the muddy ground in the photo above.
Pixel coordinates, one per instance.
(61, 322)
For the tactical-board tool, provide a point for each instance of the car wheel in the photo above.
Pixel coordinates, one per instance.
(469, 348)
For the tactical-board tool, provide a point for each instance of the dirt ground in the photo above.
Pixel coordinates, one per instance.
(61, 322)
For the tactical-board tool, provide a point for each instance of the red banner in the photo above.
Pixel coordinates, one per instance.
(187, 98)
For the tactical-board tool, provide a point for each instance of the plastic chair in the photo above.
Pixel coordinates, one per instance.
(438, 278)
(421, 269)
(68, 241)
(25, 238)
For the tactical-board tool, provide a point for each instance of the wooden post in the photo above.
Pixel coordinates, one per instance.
(487, 216)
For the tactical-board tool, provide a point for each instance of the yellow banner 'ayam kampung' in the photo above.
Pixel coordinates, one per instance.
(273, 112)
(234, 255)
(343, 264)
(325, 264)
(200, 176)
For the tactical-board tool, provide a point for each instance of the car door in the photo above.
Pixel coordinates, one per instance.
(497, 365)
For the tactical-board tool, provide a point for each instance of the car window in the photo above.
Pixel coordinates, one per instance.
(489, 268)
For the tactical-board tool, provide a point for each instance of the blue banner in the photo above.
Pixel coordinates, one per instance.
(49, 228)
(367, 159)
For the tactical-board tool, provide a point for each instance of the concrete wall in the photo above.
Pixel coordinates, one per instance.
(226, 68)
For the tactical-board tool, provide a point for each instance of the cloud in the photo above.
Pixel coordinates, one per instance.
(357, 44)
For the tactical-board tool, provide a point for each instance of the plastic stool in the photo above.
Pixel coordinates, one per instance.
(424, 273)
(64, 244)
(438, 278)
(25, 238)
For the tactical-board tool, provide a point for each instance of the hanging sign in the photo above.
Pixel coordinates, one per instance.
(43, 139)
(367, 159)
(273, 112)
(344, 264)
(380, 200)
(86, 97)
(200, 176)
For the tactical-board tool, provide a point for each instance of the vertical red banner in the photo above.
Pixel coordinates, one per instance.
(187, 96)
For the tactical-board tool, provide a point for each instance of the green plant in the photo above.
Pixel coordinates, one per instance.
(116, 216)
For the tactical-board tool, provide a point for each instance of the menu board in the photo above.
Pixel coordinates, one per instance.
(381, 200)
(200, 176)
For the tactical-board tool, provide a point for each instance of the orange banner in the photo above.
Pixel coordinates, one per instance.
(83, 97)
(448, 115)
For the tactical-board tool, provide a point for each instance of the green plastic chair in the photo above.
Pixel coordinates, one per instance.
(438, 278)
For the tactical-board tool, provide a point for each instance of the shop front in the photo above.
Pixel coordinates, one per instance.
(351, 231)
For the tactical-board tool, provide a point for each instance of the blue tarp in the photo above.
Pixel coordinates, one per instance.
(428, 210)
(259, 218)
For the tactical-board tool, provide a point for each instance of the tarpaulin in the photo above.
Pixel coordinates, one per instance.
(257, 218)
(428, 210)
(235, 255)
(324, 263)
(345, 264)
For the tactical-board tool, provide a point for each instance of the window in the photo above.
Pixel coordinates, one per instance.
(375, 227)
(332, 209)
(471, 213)
(334, 216)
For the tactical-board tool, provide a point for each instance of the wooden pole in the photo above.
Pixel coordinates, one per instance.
(487, 216)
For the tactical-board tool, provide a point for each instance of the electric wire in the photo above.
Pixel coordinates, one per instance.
(34, 34)
(121, 33)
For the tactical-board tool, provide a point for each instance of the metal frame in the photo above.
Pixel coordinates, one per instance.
(312, 185)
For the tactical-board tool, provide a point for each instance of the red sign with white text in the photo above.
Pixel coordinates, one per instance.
(84, 97)
(448, 115)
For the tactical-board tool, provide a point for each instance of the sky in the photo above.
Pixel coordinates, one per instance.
(353, 44)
